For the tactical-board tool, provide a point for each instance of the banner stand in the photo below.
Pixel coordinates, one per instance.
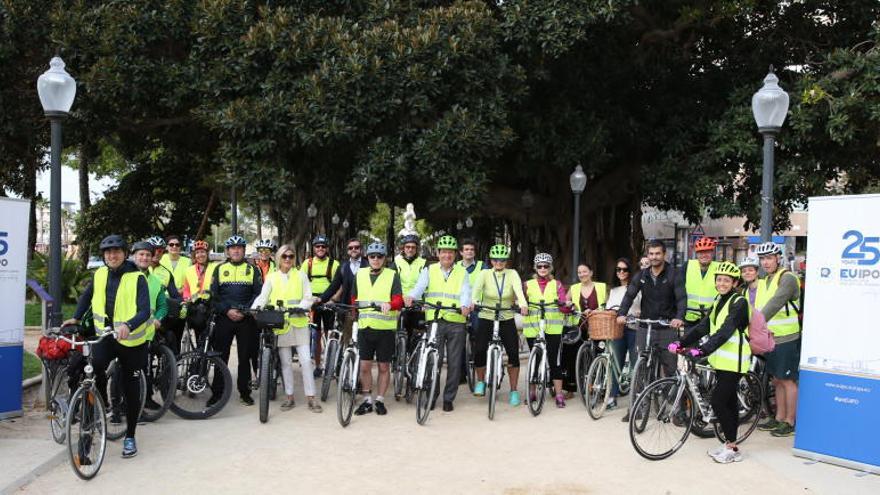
(14, 219)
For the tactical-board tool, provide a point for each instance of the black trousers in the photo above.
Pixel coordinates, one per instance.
(724, 402)
(172, 332)
(509, 338)
(554, 354)
(247, 340)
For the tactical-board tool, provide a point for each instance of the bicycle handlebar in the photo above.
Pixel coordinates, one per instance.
(662, 322)
(108, 332)
(497, 308)
(335, 306)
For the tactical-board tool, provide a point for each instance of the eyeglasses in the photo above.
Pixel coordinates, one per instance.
(287, 256)
(320, 246)
(173, 244)
(497, 260)
(542, 267)
(265, 250)
(375, 256)
(621, 269)
(353, 248)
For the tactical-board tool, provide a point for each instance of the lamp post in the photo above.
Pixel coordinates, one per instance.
(334, 220)
(528, 201)
(770, 107)
(56, 90)
(578, 182)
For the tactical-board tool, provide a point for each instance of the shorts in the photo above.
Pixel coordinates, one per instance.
(783, 362)
(376, 345)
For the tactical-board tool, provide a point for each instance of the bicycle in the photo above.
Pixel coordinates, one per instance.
(161, 378)
(584, 358)
(494, 367)
(349, 371)
(198, 314)
(116, 399)
(604, 372)
(539, 367)
(427, 375)
(56, 393)
(675, 403)
(204, 382)
(404, 363)
(646, 370)
(470, 371)
(331, 355)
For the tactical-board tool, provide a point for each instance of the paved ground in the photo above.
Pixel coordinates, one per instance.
(562, 451)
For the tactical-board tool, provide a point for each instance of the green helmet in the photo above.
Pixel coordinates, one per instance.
(727, 268)
(499, 252)
(447, 242)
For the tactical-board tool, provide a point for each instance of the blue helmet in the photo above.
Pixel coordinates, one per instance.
(236, 240)
(113, 241)
(376, 248)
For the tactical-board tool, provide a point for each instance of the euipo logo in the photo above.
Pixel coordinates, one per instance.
(860, 258)
(4, 248)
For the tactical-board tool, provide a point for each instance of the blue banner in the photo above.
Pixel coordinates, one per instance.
(10, 384)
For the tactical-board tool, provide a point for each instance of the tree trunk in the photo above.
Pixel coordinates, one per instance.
(30, 191)
(203, 225)
(259, 220)
(88, 153)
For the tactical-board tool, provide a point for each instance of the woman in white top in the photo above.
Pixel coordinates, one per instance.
(627, 344)
(294, 335)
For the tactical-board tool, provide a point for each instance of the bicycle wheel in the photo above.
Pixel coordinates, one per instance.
(330, 369)
(412, 370)
(470, 374)
(598, 383)
(265, 378)
(86, 434)
(162, 378)
(581, 367)
(665, 413)
(200, 377)
(768, 391)
(345, 391)
(537, 379)
(276, 376)
(398, 365)
(426, 389)
(59, 397)
(117, 424)
(750, 402)
(624, 381)
(492, 380)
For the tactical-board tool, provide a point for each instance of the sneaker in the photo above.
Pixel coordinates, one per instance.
(129, 448)
(514, 398)
(715, 451)
(769, 425)
(447, 406)
(611, 405)
(364, 408)
(318, 372)
(784, 430)
(314, 406)
(288, 404)
(728, 455)
(479, 389)
(380, 408)
(247, 400)
(560, 401)
(625, 418)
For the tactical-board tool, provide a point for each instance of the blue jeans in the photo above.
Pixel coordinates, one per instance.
(621, 347)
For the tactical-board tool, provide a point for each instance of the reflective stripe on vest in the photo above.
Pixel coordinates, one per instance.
(409, 272)
(289, 290)
(375, 293)
(229, 274)
(735, 353)
(553, 317)
(445, 292)
(700, 289)
(192, 281)
(124, 306)
(785, 321)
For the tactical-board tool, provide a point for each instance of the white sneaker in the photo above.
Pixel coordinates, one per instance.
(714, 451)
(727, 456)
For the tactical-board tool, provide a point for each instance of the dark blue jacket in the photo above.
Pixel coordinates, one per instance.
(113, 278)
(226, 296)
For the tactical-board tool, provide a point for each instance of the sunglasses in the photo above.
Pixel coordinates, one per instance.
(619, 269)
(542, 267)
(173, 244)
(497, 260)
(353, 248)
(375, 256)
(265, 250)
(287, 256)
(320, 246)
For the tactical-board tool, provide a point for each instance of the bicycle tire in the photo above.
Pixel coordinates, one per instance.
(598, 384)
(492, 380)
(196, 372)
(750, 400)
(623, 382)
(581, 368)
(345, 392)
(658, 399)
(398, 368)
(86, 404)
(329, 369)
(425, 390)
(537, 379)
(58, 404)
(412, 370)
(470, 372)
(115, 393)
(277, 376)
(265, 378)
(164, 380)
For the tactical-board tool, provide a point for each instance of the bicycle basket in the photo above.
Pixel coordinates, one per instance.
(269, 319)
(604, 326)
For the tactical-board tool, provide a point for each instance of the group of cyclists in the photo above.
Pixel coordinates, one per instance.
(708, 304)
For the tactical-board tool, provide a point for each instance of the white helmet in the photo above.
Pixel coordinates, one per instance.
(266, 243)
(767, 249)
(543, 258)
(750, 261)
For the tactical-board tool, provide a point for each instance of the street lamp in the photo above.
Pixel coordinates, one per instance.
(469, 222)
(769, 106)
(335, 221)
(56, 90)
(578, 182)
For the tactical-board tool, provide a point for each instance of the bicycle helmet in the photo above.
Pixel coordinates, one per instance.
(767, 249)
(143, 245)
(447, 242)
(753, 262)
(705, 244)
(499, 252)
(409, 238)
(319, 240)
(235, 240)
(543, 258)
(200, 245)
(727, 268)
(266, 244)
(157, 241)
(376, 248)
(113, 241)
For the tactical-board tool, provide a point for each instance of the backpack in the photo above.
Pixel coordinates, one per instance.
(760, 337)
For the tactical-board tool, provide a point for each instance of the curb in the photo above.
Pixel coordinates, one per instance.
(32, 381)
(34, 473)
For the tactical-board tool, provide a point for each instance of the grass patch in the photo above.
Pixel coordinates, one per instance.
(31, 366)
(33, 313)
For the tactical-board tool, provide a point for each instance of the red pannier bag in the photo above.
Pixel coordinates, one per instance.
(52, 349)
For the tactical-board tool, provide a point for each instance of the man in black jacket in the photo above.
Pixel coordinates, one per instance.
(344, 277)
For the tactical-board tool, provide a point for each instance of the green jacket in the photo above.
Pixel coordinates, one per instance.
(158, 303)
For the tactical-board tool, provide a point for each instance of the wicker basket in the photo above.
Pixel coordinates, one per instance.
(604, 326)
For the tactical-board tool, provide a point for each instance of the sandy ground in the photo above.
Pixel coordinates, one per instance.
(561, 451)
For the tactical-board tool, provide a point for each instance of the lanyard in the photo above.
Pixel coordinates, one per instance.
(499, 287)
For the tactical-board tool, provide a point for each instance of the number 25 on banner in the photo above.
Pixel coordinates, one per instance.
(4, 246)
(864, 249)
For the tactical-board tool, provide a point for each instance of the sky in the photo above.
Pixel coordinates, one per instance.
(70, 185)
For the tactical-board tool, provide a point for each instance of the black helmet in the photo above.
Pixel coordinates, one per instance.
(319, 240)
(113, 241)
(409, 238)
(143, 245)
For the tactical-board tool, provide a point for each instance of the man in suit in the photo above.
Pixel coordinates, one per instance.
(344, 277)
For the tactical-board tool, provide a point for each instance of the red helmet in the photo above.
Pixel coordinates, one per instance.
(705, 244)
(200, 245)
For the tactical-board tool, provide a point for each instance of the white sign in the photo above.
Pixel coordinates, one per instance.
(14, 219)
(842, 291)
